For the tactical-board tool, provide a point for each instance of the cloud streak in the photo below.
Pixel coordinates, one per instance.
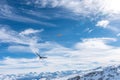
(27, 37)
(8, 12)
(81, 6)
(92, 51)
(86, 54)
(108, 10)
(103, 23)
(81, 55)
(106, 25)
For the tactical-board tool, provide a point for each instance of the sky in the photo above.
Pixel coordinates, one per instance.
(73, 34)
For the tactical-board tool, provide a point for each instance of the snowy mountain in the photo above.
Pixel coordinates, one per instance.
(100, 73)
(38, 76)
(106, 73)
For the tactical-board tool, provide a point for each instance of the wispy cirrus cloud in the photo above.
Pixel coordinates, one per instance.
(19, 49)
(25, 41)
(30, 31)
(60, 58)
(108, 10)
(80, 6)
(95, 43)
(81, 55)
(37, 14)
(9, 35)
(92, 8)
(106, 24)
(103, 23)
(118, 34)
(27, 37)
(10, 13)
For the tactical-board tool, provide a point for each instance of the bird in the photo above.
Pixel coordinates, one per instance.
(40, 57)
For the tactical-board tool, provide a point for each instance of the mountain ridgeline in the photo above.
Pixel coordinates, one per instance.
(100, 73)
(106, 73)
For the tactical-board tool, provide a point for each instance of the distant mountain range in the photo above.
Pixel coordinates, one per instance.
(100, 73)
(38, 76)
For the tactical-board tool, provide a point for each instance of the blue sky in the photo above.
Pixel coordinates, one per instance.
(71, 33)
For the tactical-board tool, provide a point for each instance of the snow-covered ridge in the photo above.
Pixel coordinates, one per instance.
(100, 73)
(106, 73)
(38, 76)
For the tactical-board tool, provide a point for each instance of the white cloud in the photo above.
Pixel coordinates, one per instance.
(25, 41)
(103, 23)
(94, 43)
(8, 12)
(118, 34)
(82, 56)
(8, 35)
(88, 30)
(37, 14)
(89, 53)
(30, 31)
(21, 38)
(94, 9)
(86, 52)
(20, 49)
(111, 6)
(82, 6)
(78, 7)
(106, 24)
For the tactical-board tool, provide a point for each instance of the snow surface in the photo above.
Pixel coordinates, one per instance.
(100, 73)
(106, 73)
(38, 76)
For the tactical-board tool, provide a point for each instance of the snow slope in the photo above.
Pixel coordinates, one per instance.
(38, 76)
(100, 73)
(106, 73)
